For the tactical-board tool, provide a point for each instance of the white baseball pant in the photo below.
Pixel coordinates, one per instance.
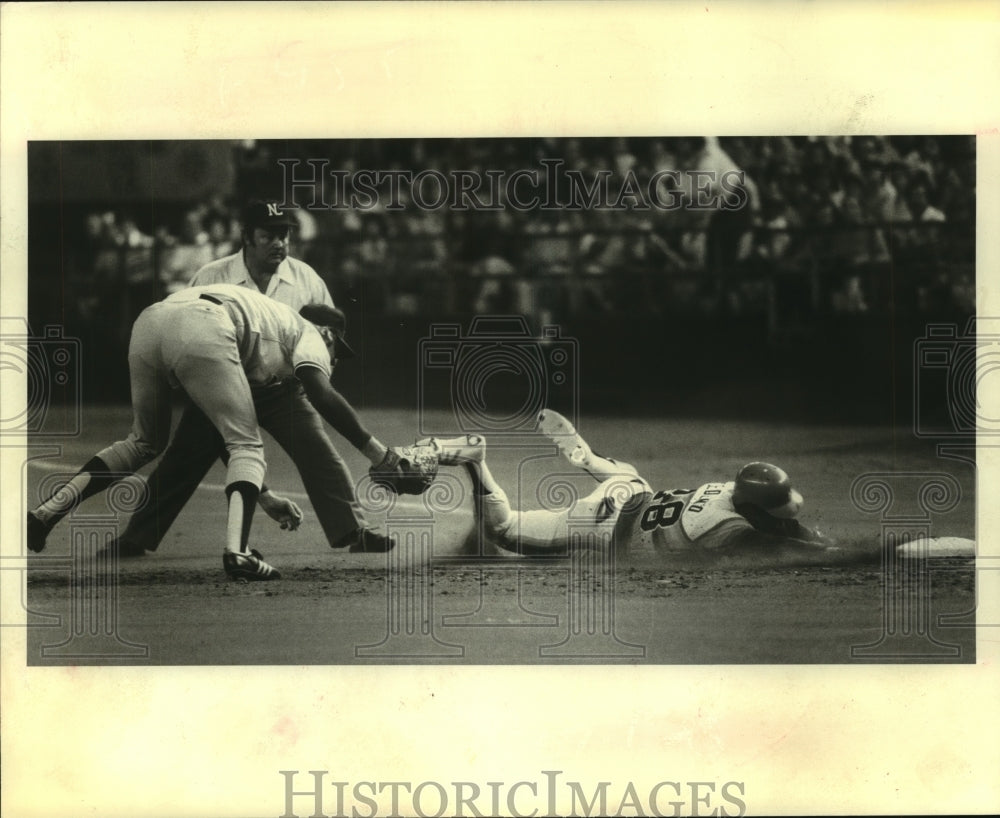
(589, 521)
(192, 345)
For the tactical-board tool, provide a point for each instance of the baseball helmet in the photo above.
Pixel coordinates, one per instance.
(767, 487)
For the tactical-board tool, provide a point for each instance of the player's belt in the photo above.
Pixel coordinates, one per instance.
(211, 298)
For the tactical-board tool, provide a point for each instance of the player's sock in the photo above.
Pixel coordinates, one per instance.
(242, 497)
(93, 478)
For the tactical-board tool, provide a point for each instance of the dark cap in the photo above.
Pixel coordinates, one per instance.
(331, 318)
(267, 213)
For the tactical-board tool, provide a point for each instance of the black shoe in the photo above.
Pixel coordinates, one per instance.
(127, 550)
(368, 541)
(248, 566)
(37, 533)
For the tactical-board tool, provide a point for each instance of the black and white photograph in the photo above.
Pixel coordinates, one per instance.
(773, 338)
(412, 411)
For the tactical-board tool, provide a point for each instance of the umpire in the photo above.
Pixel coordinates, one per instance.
(262, 264)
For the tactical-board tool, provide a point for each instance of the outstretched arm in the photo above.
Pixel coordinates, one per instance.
(336, 411)
(398, 470)
(808, 540)
(787, 530)
(772, 535)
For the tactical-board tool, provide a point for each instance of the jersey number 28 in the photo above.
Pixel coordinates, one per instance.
(664, 509)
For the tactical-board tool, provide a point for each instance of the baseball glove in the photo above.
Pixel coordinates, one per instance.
(406, 469)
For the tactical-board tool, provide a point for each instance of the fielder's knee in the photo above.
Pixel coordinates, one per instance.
(130, 454)
(150, 451)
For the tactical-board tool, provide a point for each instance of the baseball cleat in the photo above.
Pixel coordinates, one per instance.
(454, 451)
(250, 567)
(575, 449)
(370, 541)
(37, 533)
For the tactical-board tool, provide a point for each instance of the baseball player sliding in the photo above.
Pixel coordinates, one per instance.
(755, 510)
(214, 342)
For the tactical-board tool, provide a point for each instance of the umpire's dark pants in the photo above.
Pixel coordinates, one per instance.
(286, 414)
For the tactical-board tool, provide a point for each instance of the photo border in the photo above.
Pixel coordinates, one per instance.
(193, 741)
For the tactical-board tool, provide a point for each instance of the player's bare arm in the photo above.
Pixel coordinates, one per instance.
(400, 470)
(336, 411)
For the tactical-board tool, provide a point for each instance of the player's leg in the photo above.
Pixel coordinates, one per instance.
(297, 427)
(206, 362)
(588, 522)
(575, 449)
(524, 532)
(93, 478)
(147, 438)
(231, 411)
(195, 446)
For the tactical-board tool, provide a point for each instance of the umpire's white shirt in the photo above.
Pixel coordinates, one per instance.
(272, 339)
(294, 283)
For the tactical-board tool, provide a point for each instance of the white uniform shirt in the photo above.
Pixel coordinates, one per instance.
(272, 338)
(685, 520)
(294, 283)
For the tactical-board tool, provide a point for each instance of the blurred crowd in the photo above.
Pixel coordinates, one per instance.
(832, 222)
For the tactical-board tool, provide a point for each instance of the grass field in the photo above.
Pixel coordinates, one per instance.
(430, 601)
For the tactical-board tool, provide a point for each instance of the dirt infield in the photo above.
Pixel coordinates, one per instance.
(431, 602)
